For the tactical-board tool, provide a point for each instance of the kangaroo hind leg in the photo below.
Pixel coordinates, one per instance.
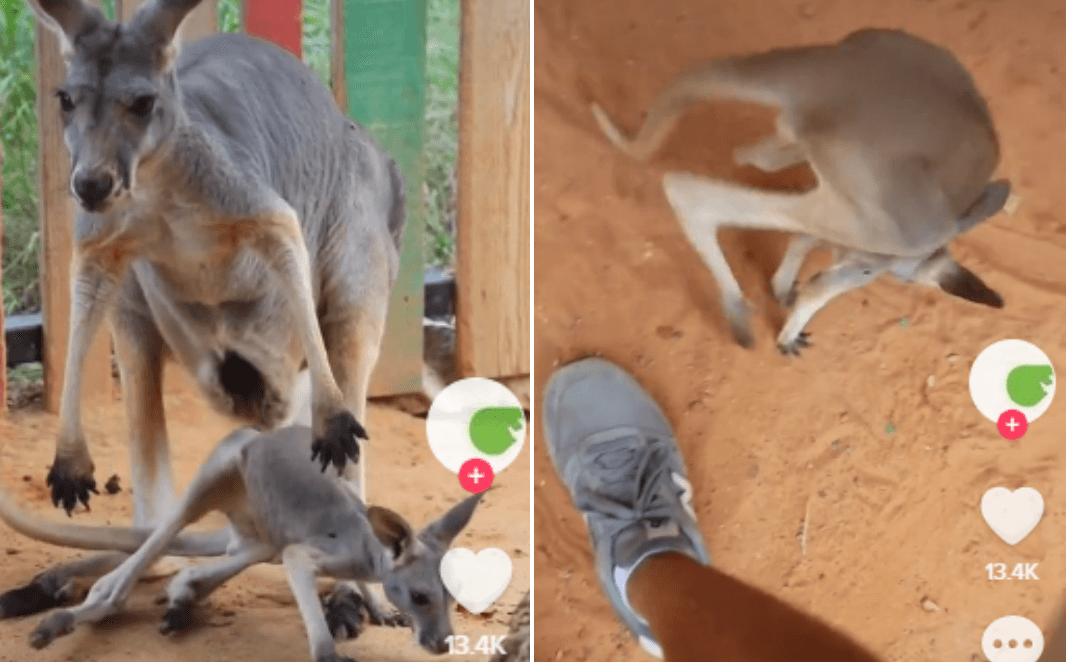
(705, 205)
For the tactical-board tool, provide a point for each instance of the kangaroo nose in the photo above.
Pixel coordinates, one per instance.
(91, 191)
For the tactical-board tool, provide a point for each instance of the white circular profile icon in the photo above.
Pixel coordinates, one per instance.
(1012, 375)
(476, 418)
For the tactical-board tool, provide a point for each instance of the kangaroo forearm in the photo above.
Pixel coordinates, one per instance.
(91, 293)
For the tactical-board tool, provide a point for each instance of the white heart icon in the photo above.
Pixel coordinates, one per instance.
(476, 580)
(1012, 515)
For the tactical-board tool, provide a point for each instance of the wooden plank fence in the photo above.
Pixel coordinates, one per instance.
(380, 56)
(383, 74)
(492, 275)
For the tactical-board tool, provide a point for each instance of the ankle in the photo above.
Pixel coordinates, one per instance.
(652, 574)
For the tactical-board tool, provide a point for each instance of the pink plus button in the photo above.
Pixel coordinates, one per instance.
(475, 475)
(1012, 424)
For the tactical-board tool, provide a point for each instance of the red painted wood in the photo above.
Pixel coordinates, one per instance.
(278, 21)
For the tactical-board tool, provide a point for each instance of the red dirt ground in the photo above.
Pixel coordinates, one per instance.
(896, 545)
(252, 617)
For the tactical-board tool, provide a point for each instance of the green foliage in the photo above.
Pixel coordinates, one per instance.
(442, 129)
(18, 140)
(317, 39)
(229, 16)
(27, 373)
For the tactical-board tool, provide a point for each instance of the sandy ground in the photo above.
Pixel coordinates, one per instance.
(871, 434)
(252, 617)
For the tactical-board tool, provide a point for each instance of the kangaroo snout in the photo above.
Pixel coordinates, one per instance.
(92, 189)
(436, 645)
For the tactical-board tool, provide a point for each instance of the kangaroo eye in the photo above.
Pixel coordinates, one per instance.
(420, 599)
(142, 106)
(65, 101)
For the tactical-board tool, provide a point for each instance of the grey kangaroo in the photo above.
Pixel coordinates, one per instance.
(281, 509)
(901, 143)
(231, 218)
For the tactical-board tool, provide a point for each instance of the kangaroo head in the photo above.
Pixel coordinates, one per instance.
(941, 270)
(120, 100)
(413, 584)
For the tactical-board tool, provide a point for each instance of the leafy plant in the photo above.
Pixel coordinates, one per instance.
(229, 16)
(317, 38)
(441, 129)
(18, 140)
(27, 373)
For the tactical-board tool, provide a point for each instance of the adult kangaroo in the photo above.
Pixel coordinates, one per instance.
(231, 218)
(900, 140)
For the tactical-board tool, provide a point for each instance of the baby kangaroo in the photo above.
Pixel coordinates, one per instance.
(901, 143)
(281, 508)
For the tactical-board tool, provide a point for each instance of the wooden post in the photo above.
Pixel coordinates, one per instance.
(279, 21)
(203, 21)
(492, 248)
(336, 68)
(57, 210)
(384, 70)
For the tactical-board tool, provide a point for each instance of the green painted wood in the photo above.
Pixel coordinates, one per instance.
(384, 76)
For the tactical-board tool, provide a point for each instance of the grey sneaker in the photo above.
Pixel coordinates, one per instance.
(614, 450)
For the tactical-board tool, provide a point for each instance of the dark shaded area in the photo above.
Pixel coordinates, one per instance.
(243, 382)
(339, 445)
(964, 284)
(69, 489)
(31, 599)
(346, 612)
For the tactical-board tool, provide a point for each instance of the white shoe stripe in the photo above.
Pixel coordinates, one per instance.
(686, 493)
(652, 647)
(621, 580)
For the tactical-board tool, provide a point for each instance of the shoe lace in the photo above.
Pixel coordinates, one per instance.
(633, 492)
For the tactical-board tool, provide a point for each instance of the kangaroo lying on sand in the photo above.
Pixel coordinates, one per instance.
(232, 218)
(281, 509)
(901, 143)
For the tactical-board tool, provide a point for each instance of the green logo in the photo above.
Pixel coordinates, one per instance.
(1026, 384)
(495, 429)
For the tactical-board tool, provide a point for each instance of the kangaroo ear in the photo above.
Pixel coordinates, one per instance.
(391, 529)
(161, 20)
(66, 18)
(963, 283)
(941, 270)
(447, 527)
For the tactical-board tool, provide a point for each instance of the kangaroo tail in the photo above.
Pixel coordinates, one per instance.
(115, 538)
(731, 79)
